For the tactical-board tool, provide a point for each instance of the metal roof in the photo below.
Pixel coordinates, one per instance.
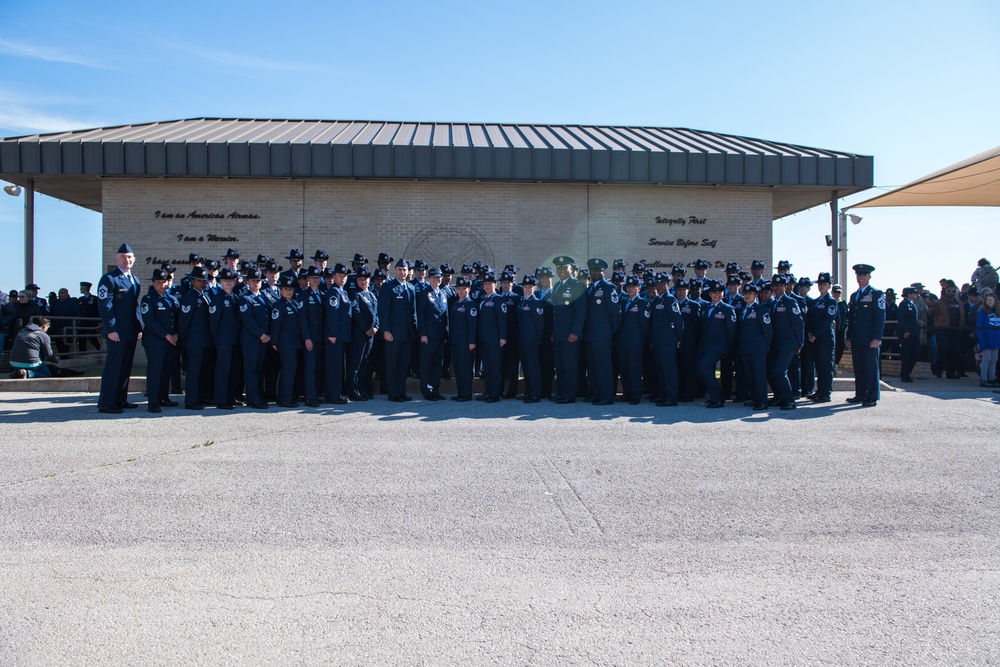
(69, 165)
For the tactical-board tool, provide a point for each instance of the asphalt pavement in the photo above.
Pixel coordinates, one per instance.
(445, 533)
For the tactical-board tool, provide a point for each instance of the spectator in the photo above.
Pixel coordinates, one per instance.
(949, 319)
(985, 276)
(24, 310)
(65, 309)
(988, 336)
(6, 322)
(31, 349)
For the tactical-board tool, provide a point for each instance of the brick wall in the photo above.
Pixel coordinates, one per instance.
(524, 224)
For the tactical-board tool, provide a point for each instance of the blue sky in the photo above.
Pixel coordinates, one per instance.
(915, 84)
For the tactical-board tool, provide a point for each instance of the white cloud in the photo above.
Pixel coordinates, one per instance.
(243, 61)
(41, 52)
(19, 119)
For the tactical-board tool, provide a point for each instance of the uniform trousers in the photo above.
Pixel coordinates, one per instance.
(253, 364)
(397, 367)
(630, 367)
(461, 360)
(492, 356)
(117, 369)
(431, 365)
(227, 372)
(195, 371)
(566, 357)
(359, 379)
(755, 370)
(708, 359)
(289, 360)
(666, 373)
(334, 356)
(532, 367)
(908, 353)
(599, 370)
(822, 352)
(779, 373)
(866, 375)
(157, 373)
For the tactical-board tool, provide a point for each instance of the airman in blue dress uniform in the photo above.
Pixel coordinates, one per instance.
(397, 312)
(463, 321)
(311, 304)
(511, 355)
(534, 325)
(569, 312)
(338, 332)
(491, 338)
(432, 328)
(118, 302)
(603, 318)
(865, 323)
(224, 321)
(159, 316)
(756, 336)
(718, 331)
(255, 320)
(688, 380)
(666, 330)
(908, 332)
(195, 336)
(821, 320)
(630, 342)
(364, 333)
(289, 334)
(789, 332)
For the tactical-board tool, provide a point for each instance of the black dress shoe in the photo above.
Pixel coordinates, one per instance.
(855, 399)
(461, 399)
(154, 409)
(168, 403)
(510, 396)
(225, 406)
(715, 405)
(355, 396)
(774, 402)
(788, 406)
(406, 398)
(340, 401)
(906, 379)
(821, 399)
(758, 408)
(259, 406)
(194, 406)
(604, 402)
(532, 400)
(749, 404)
(493, 399)
(397, 399)
(869, 404)
(666, 404)
(293, 404)
(113, 410)
(686, 400)
(128, 406)
(312, 403)
(637, 402)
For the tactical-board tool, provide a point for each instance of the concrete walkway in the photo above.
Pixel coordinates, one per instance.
(440, 533)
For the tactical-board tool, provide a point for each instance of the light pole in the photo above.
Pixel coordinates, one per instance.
(29, 227)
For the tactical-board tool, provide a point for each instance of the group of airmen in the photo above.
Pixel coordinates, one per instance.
(250, 332)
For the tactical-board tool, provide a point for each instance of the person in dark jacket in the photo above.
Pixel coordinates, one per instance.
(463, 327)
(159, 317)
(289, 334)
(224, 322)
(630, 342)
(397, 312)
(718, 332)
(511, 295)
(338, 333)
(255, 319)
(689, 384)
(432, 329)
(31, 349)
(908, 333)
(865, 323)
(311, 304)
(195, 336)
(64, 313)
(821, 322)
(491, 338)
(118, 302)
(756, 336)
(666, 330)
(569, 312)
(364, 332)
(789, 332)
(534, 326)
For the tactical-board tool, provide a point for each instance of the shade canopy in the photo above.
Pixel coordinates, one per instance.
(971, 182)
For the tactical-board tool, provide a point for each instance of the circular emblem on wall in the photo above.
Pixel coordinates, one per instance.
(452, 244)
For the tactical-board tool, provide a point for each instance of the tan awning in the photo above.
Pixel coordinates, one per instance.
(971, 182)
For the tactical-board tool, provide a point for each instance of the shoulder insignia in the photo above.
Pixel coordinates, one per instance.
(211, 309)
(833, 309)
(102, 292)
(540, 311)
(472, 312)
(145, 308)
(244, 307)
(275, 314)
(676, 307)
(795, 310)
(767, 317)
(614, 296)
(881, 302)
(646, 313)
(732, 317)
(185, 309)
(503, 307)
(334, 302)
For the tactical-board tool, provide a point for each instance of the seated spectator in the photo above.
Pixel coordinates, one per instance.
(24, 310)
(31, 349)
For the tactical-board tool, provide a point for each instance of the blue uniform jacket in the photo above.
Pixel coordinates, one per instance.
(118, 303)
(337, 314)
(289, 327)
(908, 321)
(691, 314)
(866, 316)
(756, 331)
(718, 328)
(511, 301)
(255, 316)
(432, 314)
(159, 317)
(492, 319)
(463, 322)
(192, 323)
(569, 309)
(666, 324)
(821, 318)
(534, 320)
(604, 314)
(789, 324)
(224, 318)
(364, 315)
(397, 309)
(311, 304)
(634, 328)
